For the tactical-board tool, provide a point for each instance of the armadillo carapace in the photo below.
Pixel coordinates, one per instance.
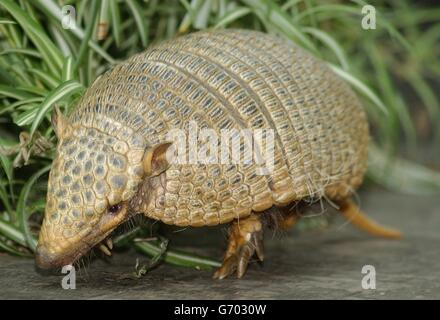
(112, 161)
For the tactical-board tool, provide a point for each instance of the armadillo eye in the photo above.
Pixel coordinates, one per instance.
(115, 208)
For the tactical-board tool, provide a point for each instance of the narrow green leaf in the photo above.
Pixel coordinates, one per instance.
(232, 16)
(282, 22)
(430, 102)
(7, 21)
(68, 70)
(331, 43)
(5, 162)
(103, 21)
(63, 39)
(392, 99)
(83, 49)
(116, 22)
(11, 250)
(142, 26)
(53, 10)
(45, 77)
(13, 233)
(402, 175)
(190, 15)
(176, 258)
(63, 91)
(14, 93)
(51, 54)
(202, 16)
(360, 86)
(19, 103)
(329, 9)
(289, 4)
(27, 117)
(4, 198)
(22, 209)
(28, 52)
(33, 89)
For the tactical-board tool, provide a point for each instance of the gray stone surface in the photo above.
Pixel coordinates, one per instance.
(321, 264)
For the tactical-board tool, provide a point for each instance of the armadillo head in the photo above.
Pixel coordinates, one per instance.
(91, 184)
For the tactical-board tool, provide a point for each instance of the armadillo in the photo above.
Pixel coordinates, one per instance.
(112, 159)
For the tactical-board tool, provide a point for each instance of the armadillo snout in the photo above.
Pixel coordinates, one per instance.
(44, 259)
(91, 173)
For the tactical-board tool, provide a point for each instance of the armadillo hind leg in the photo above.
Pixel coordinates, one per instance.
(283, 218)
(352, 213)
(245, 239)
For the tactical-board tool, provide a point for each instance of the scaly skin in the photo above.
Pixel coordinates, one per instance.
(91, 173)
(110, 161)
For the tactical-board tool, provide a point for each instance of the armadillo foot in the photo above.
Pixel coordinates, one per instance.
(245, 239)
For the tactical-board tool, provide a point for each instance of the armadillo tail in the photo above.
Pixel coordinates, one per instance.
(352, 213)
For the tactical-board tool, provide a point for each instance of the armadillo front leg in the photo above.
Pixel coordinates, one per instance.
(245, 239)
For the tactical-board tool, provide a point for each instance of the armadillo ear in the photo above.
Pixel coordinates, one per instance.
(155, 159)
(59, 123)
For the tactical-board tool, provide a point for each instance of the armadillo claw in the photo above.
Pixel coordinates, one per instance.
(246, 239)
(228, 267)
(259, 245)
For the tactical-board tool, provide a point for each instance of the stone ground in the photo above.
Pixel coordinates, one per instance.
(318, 264)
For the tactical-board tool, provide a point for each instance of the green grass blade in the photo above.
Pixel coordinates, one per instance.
(116, 22)
(103, 21)
(388, 92)
(63, 91)
(14, 93)
(64, 40)
(191, 10)
(4, 199)
(11, 250)
(7, 21)
(83, 49)
(22, 209)
(13, 233)
(28, 52)
(360, 86)
(282, 22)
(27, 117)
(141, 23)
(428, 97)
(33, 89)
(68, 70)
(7, 166)
(19, 103)
(232, 16)
(331, 43)
(51, 54)
(53, 10)
(4, 160)
(45, 77)
(401, 175)
(329, 10)
(176, 258)
(202, 16)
